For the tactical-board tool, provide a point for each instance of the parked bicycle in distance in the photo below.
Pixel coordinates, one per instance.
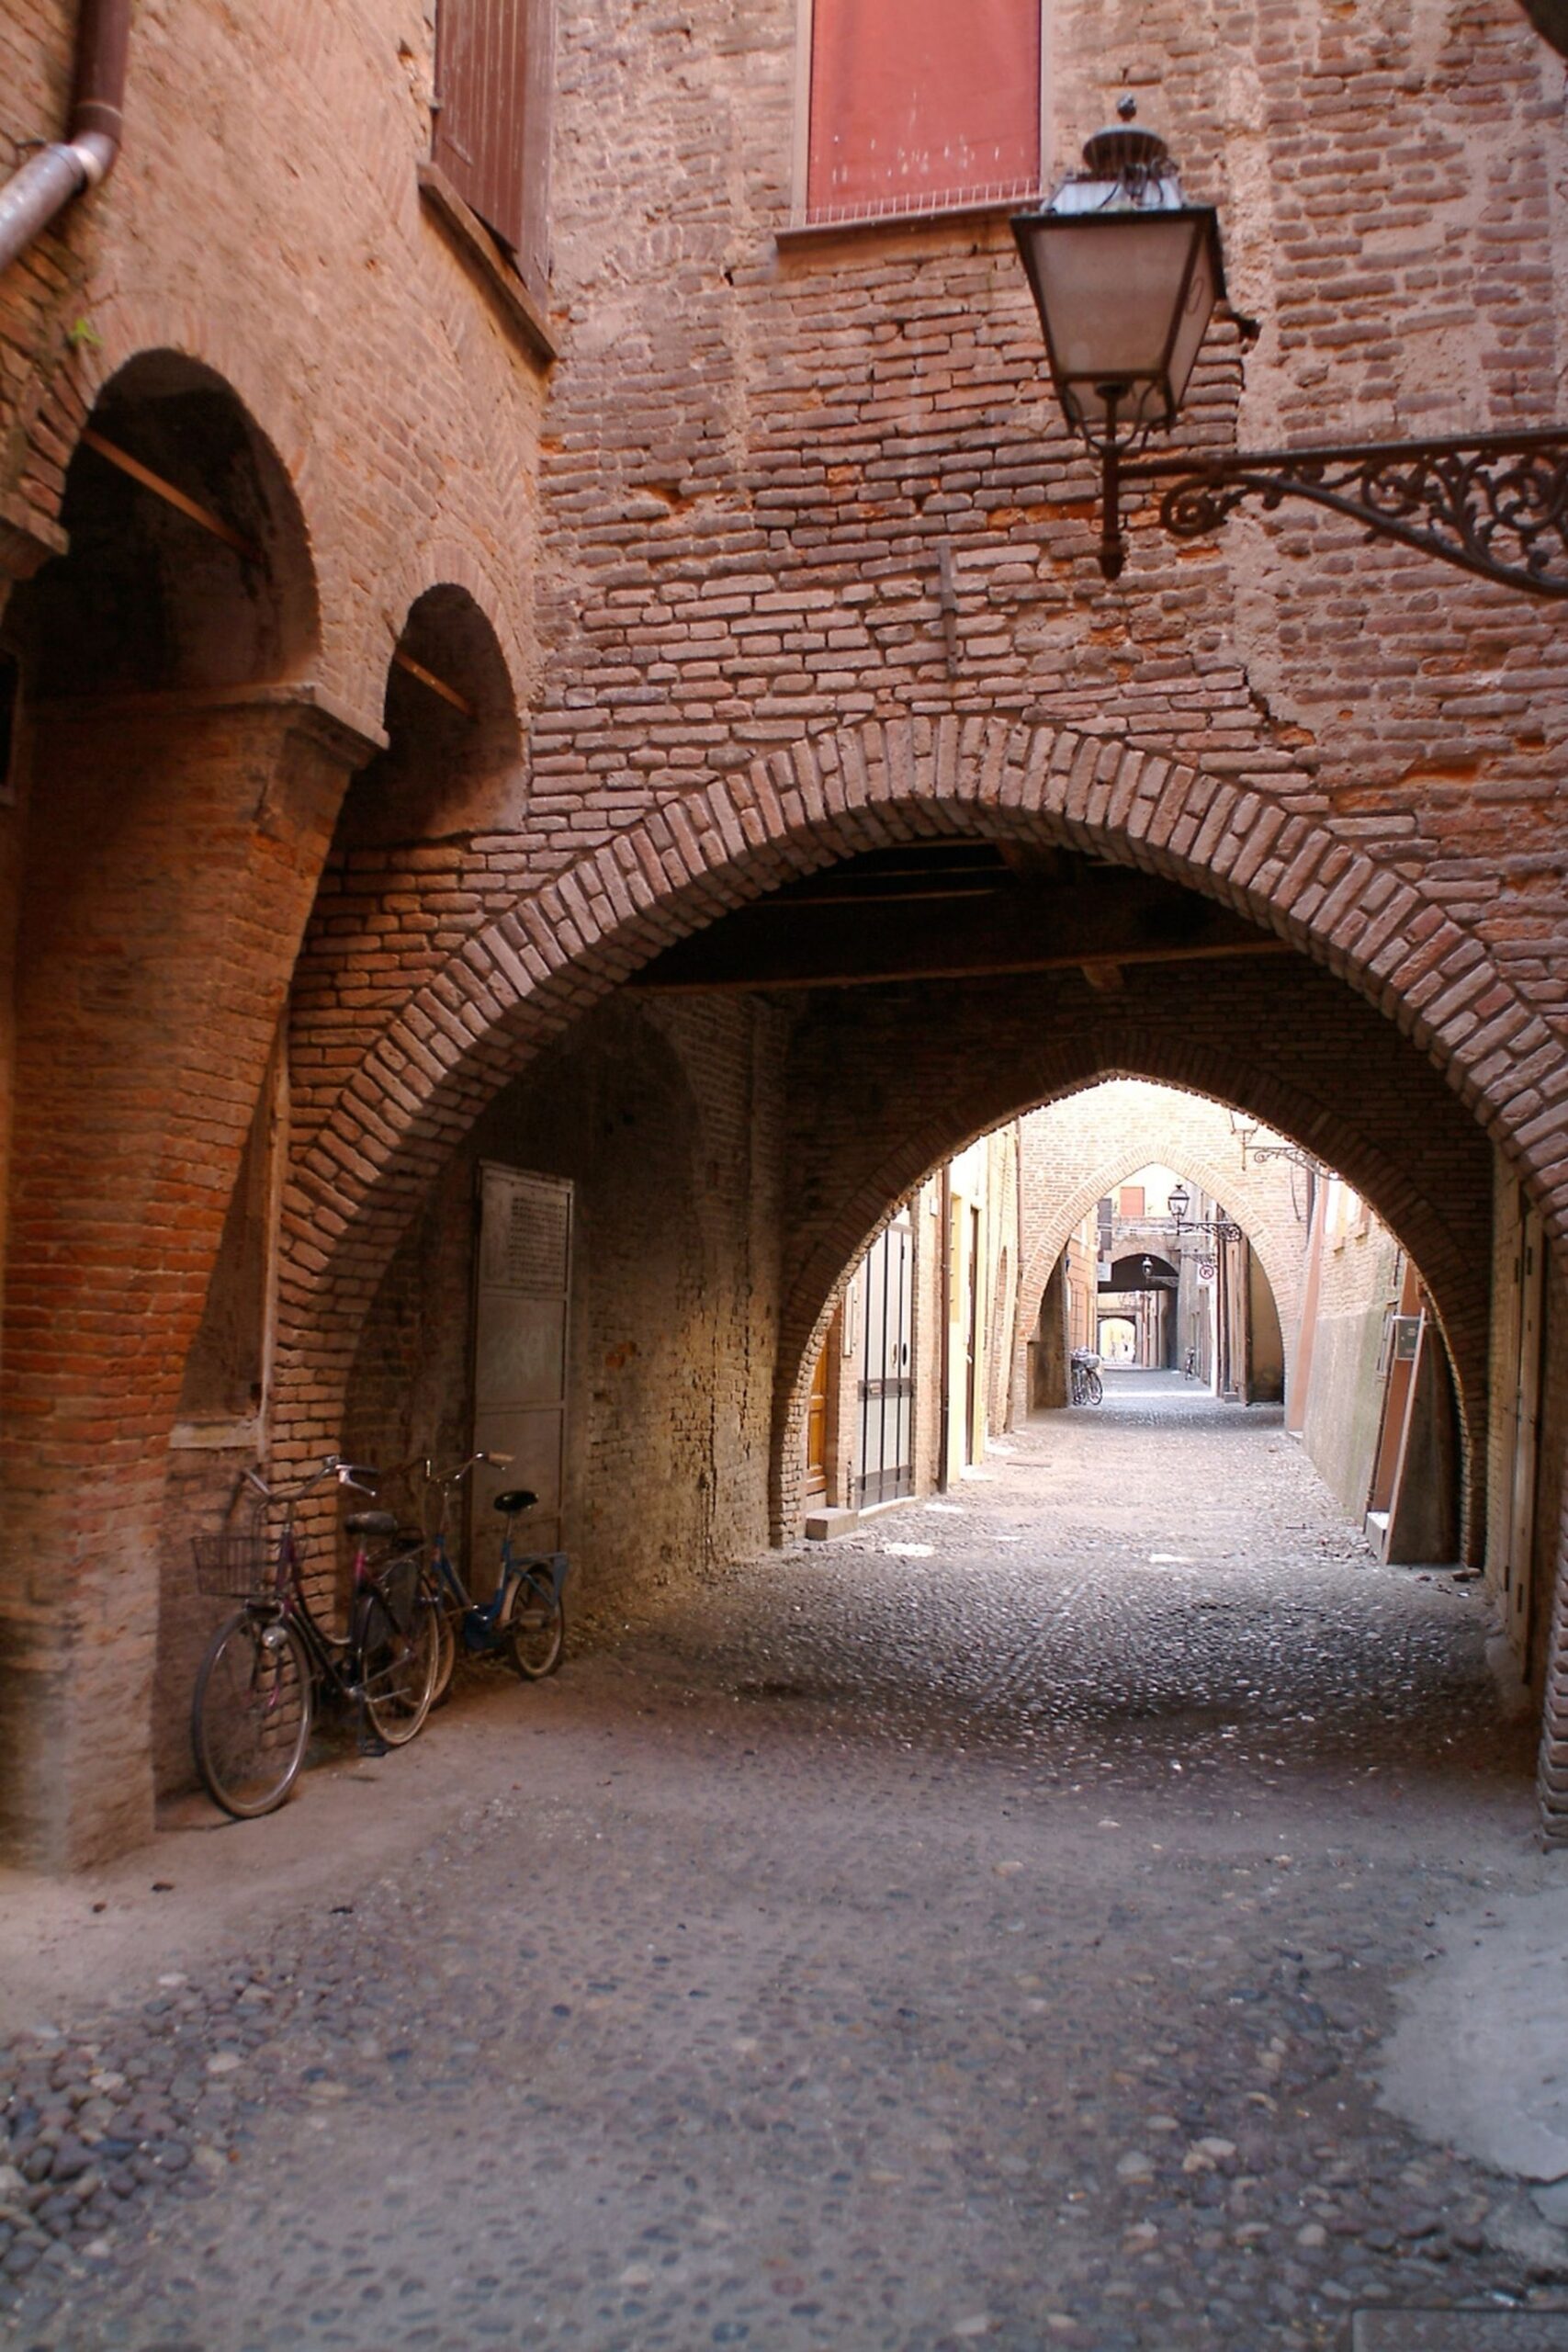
(271, 1661)
(525, 1619)
(1087, 1388)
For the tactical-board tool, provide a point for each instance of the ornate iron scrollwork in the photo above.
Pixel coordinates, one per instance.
(1495, 503)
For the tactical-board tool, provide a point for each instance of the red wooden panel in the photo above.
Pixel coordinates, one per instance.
(922, 103)
(494, 74)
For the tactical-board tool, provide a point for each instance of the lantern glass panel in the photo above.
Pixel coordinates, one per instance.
(1197, 309)
(1110, 289)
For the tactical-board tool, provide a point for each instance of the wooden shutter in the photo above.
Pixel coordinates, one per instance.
(922, 103)
(495, 81)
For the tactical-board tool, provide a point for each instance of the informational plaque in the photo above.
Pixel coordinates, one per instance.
(522, 1321)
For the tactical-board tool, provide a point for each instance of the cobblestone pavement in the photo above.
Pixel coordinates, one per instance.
(979, 1931)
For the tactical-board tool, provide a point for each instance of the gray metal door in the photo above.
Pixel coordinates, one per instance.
(522, 1295)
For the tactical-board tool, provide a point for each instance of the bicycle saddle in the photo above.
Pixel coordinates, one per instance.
(372, 1522)
(516, 1499)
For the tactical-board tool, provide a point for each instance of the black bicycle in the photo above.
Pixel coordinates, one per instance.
(1088, 1388)
(273, 1659)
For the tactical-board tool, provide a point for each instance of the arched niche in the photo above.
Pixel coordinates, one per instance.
(452, 731)
(188, 563)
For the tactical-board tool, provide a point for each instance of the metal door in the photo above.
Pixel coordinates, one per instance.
(888, 1385)
(521, 1296)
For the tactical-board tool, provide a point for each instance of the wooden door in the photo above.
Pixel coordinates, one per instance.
(522, 1295)
(817, 1424)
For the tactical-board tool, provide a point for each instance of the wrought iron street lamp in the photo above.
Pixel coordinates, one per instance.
(1180, 1201)
(1126, 276)
(1244, 1131)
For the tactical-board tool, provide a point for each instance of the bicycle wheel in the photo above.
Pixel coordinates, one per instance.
(1094, 1389)
(432, 1598)
(397, 1668)
(250, 1716)
(536, 1628)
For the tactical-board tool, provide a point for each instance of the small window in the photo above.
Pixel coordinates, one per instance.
(1130, 1203)
(494, 89)
(920, 106)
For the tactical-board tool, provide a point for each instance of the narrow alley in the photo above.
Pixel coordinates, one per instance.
(982, 1929)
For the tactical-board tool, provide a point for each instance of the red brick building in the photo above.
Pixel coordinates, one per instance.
(537, 622)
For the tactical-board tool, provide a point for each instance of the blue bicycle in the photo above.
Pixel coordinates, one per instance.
(524, 1618)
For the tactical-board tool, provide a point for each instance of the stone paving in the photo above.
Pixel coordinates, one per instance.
(979, 1931)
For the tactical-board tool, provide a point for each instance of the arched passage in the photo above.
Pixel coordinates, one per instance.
(1089, 1143)
(410, 1089)
(412, 1083)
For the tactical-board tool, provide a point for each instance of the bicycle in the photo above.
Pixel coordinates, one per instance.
(524, 1618)
(257, 1688)
(1088, 1388)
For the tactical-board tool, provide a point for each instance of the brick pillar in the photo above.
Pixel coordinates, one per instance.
(173, 852)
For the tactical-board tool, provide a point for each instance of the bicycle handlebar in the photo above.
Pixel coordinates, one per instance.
(347, 1474)
(434, 1477)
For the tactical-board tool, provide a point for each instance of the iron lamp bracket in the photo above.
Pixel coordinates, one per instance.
(1495, 504)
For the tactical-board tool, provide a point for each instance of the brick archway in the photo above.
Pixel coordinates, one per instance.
(393, 1105)
(393, 1110)
(1458, 1282)
(1283, 1278)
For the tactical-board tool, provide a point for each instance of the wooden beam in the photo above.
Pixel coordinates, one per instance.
(973, 970)
(1102, 922)
(172, 495)
(437, 685)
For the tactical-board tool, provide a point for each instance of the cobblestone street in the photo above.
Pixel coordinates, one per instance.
(982, 1929)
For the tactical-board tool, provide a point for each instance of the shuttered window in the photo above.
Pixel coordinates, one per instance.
(920, 106)
(494, 82)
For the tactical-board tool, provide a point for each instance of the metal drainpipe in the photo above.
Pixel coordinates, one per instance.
(46, 181)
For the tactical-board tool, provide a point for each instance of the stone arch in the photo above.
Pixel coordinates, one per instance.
(1222, 1182)
(1282, 1278)
(135, 341)
(520, 978)
(1459, 1288)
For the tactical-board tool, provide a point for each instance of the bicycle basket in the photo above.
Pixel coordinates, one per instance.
(237, 1564)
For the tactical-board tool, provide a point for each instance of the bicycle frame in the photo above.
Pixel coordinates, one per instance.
(336, 1658)
(484, 1622)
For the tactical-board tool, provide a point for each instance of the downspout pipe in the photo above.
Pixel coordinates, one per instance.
(47, 180)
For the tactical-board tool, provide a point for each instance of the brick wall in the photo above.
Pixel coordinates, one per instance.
(708, 551)
(665, 1119)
